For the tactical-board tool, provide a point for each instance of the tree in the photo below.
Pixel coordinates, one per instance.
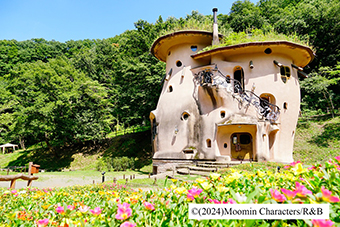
(244, 15)
(6, 112)
(317, 87)
(57, 104)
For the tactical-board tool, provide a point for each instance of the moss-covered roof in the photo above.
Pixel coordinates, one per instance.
(161, 46)
(301, 55)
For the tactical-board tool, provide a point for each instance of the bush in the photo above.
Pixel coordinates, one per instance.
(122, 163)
(101, 165)
(115, 164)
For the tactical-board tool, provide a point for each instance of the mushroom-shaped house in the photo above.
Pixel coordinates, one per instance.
(238, 102)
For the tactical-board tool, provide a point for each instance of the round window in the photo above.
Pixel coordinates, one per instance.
(194, 48)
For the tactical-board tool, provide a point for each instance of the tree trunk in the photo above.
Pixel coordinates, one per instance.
(47, 142)
(22, 143)
(330, 101)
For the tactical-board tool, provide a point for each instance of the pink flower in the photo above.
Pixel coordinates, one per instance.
(124, 211)
(337, 166)
(291, 164)
(294, 163)
(83, 209)
(60, 210)
(214, 201)
(277, 196)
(128, 224)
(289, 194)
(301, 190)
(322, 223)
(42, 222)
(326, 196)
(195, 192)
(231, 201)
(337, 158)
(96, 211)
(190, 197)
(149, 206)
(70, 207)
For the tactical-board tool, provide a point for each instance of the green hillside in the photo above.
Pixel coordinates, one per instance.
(316, 140)
(86, 156)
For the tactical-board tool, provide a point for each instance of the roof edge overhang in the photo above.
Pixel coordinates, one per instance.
(304, 50)
(171, 38)
(236, 123)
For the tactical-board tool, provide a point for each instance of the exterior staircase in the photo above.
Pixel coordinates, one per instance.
(204, 168)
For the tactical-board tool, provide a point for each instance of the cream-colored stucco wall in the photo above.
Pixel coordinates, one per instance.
(188, 116)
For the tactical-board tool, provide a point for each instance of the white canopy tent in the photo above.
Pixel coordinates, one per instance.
(3, 147)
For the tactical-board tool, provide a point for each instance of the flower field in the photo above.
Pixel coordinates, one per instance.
(118, 205)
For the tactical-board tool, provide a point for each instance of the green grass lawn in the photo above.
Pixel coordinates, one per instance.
(5, 159)
(315, 141)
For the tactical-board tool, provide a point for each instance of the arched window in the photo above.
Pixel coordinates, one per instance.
(238, 76)
(208, 143)
(285, 73)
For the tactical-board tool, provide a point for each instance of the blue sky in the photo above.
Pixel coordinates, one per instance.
(64, 20)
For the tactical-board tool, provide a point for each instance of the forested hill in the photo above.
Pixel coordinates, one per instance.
(59, 93)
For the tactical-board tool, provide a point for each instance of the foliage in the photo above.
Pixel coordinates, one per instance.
(85, 89)
(57, 103)
(116, 164)
(255, 35)
(321, 86)
(113, 205)
(316, 140)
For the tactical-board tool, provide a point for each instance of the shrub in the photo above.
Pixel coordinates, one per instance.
(122, 163)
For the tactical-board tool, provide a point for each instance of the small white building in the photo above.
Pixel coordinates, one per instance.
(8, 145)
(237, 102)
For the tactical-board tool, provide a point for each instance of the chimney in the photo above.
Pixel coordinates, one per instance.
(216, 40)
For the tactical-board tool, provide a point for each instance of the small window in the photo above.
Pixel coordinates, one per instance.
(245, 139)
(225, 145)
(285, 105)
(227, 79)
(188, 151)
(185, 116)
(268, 51)
(285, 73)
(194, 48)
(238, 76)
(178, 63)
(208, 143)
(169, 53)
(222, 114)
(170, 89)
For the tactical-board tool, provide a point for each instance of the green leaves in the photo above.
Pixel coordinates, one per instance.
(55, 109)
(83, 89)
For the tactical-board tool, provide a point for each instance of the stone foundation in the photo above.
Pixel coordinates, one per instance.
(163, 165)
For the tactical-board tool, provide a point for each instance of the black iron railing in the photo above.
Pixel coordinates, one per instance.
(214, 77)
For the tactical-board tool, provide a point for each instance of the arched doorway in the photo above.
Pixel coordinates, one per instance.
(241, 146)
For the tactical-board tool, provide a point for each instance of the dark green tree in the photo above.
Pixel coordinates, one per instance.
(57, 104)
